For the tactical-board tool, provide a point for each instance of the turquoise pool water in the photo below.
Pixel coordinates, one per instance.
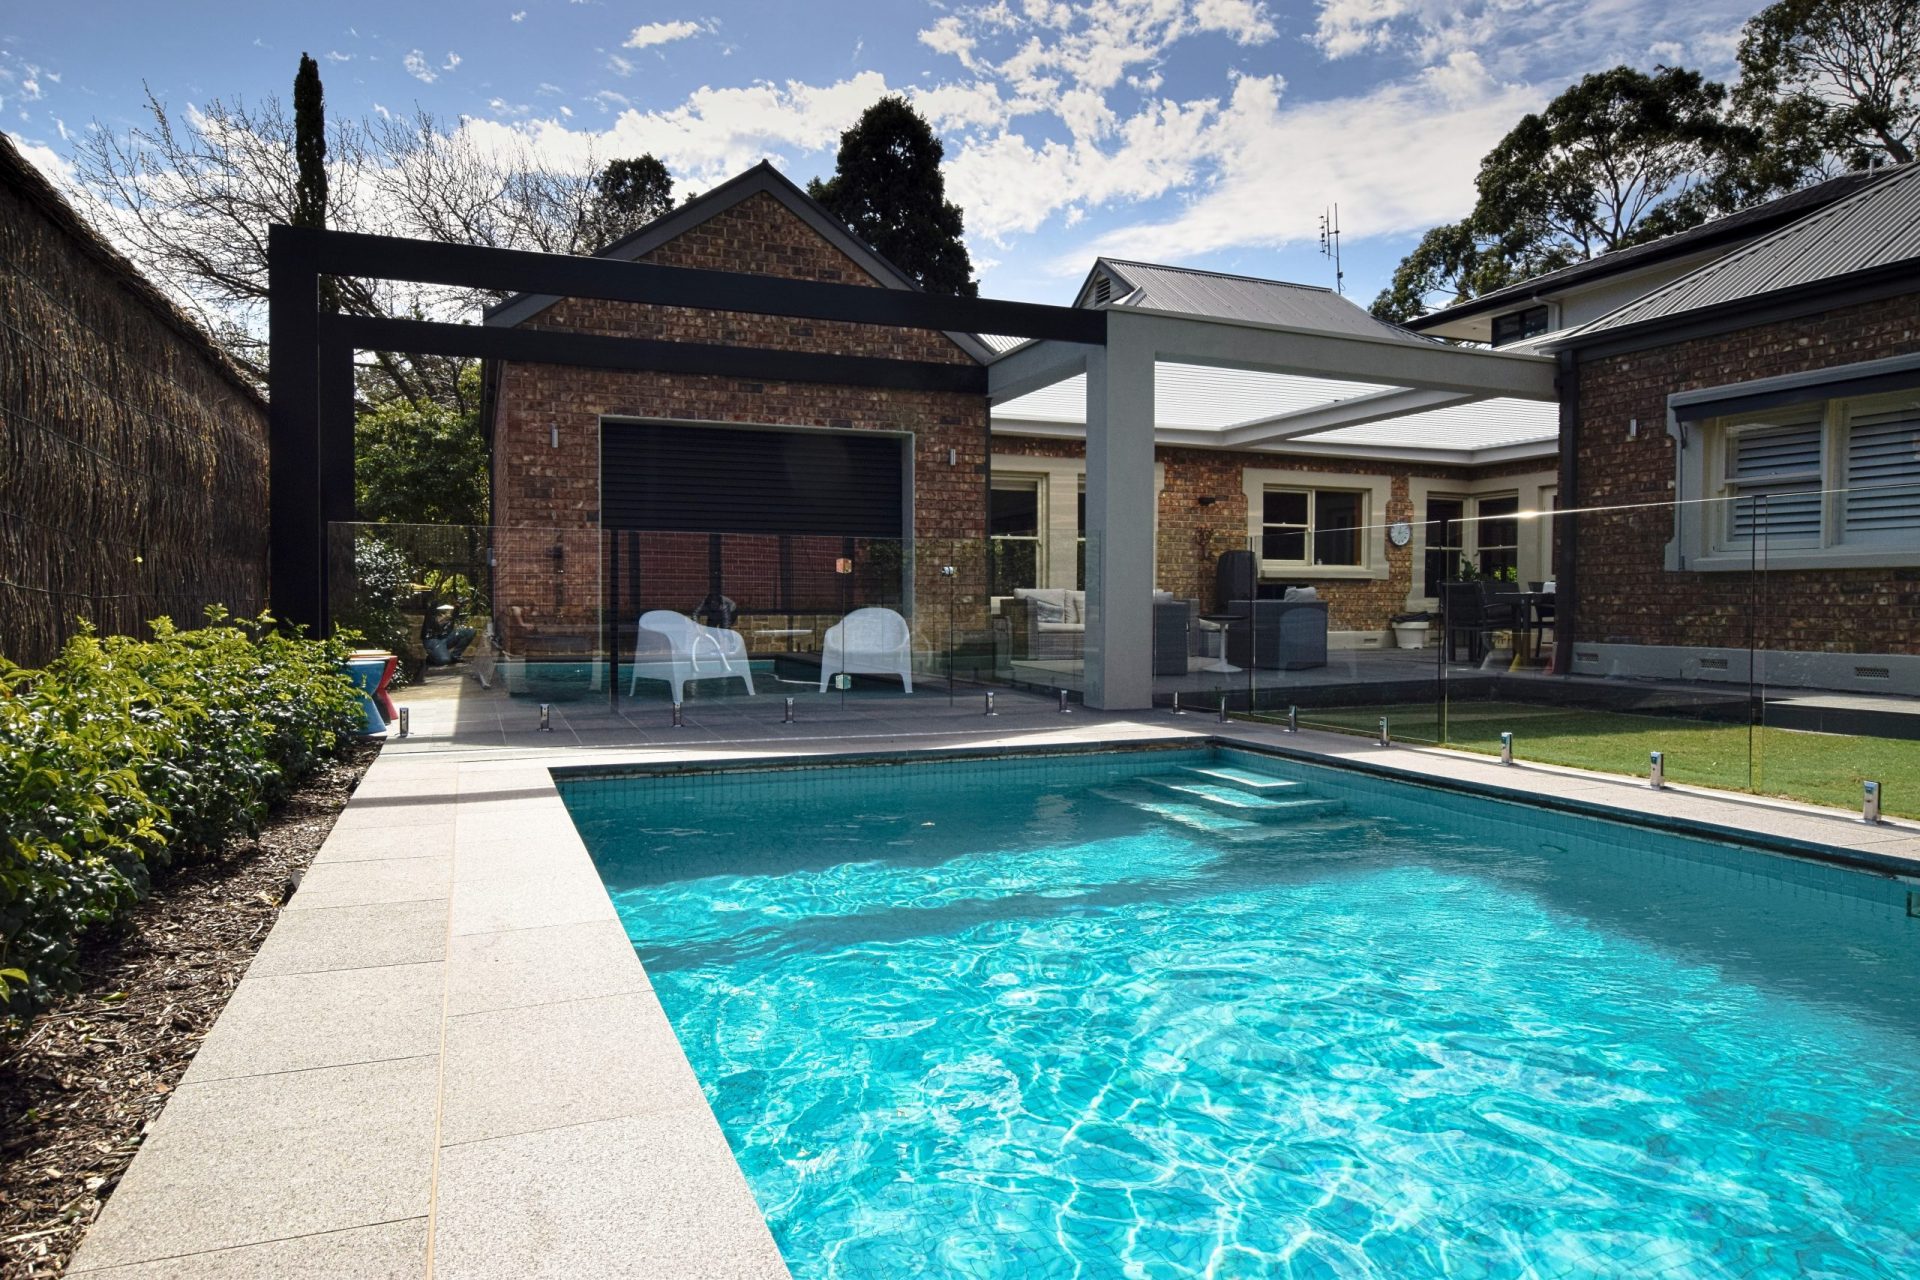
(1063, 1017)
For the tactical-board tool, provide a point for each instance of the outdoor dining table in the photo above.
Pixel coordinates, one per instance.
(1527, 617)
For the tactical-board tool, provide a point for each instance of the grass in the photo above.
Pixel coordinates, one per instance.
(1819, 768)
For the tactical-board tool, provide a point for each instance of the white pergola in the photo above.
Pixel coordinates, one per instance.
(1358, 380)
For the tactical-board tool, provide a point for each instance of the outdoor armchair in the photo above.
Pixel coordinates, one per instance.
(873, 642)
(674, 648)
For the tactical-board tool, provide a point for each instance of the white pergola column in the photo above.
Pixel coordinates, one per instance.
(1120, 511)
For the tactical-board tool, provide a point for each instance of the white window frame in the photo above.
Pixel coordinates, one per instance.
(1702, 539)
(1371, 537)
(1534, 489)
(1011, 481)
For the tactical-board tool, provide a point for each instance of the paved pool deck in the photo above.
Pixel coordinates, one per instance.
(448, 1061)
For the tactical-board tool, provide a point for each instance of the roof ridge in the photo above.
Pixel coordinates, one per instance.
(1219, 275)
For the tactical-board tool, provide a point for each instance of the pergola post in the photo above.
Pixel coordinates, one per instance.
(1120, 521)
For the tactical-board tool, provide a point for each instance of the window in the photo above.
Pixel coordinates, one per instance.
(1311, 527)
(1882, 501)
(1830, 482)
(1080, 544)
(1013, 532)
(1517, 326)
(1499, 537)
(1444, 544)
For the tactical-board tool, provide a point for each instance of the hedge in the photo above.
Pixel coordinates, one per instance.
(124, 754)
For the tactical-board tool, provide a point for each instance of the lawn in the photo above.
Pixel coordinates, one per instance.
(1820, 768)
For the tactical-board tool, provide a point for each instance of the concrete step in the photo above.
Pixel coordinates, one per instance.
(1244, 778)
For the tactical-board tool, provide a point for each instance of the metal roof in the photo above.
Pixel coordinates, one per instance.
(1214, 294)
(1877, 226)
(1754, 220)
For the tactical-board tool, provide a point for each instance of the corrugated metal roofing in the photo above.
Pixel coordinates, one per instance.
(1754, 220)
(1876, 227)
(1211, 293)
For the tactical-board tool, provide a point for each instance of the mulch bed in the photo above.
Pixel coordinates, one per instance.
(80, 1088)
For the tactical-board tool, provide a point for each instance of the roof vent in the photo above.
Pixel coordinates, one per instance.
(1102, 290)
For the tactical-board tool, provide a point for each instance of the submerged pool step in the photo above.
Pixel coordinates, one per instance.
(1264, 783)
(1295, 803)
(1188, 814)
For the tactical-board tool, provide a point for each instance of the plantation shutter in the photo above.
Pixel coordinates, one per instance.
(1780, 465)
(1883, 477)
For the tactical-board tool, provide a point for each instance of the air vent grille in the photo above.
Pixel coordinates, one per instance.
(1102, 290)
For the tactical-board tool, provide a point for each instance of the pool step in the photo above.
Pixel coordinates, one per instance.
(1245, 817)
(1251, 781)
(1213, 793)
(1196, 816)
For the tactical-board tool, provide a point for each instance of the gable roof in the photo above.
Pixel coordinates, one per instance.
(761, 179)
(1877, 227)
(1216, 294)
(19, 174)
(1755, 220)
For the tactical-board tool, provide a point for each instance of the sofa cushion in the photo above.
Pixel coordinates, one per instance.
(1074, 628)
(1049, 604)
(1077, 607)
(1302, 593)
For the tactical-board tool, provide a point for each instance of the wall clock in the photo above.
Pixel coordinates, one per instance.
(1401, 532)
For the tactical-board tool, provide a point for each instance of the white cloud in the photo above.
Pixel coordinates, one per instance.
(418, 67)
(656, 33)
(518, 15)
(1245, 20)
(618, 65)
(1398, 159)
(453, 60)
(334, 55)
(53, 166)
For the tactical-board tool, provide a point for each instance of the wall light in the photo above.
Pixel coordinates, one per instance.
(554, 438)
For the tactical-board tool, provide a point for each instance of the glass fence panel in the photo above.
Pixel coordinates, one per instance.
(631, 635)
(1836, 651)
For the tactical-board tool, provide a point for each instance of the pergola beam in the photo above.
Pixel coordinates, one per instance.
(1355, 411)
(1033, 367)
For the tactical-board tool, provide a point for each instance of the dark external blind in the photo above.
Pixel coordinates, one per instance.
(688, 478)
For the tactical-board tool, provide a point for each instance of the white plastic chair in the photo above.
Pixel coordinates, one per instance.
(868, 642)
(673, 647)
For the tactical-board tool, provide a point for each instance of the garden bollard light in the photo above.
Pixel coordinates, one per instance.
(1870, 802)
(1223, 708)
(1506, 748)
(1386, 739)
(990, 711)
(678, 723)
(788, 718)
(1657, 769)
(1065, 710)
(1293, 719)
(1176, 703)
(406, 721)
(546, 724)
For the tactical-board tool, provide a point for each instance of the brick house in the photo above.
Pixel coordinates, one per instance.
(625, 491)
(628, 491)
(1775, 394)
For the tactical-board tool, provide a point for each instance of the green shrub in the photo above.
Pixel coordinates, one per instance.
(123, 754)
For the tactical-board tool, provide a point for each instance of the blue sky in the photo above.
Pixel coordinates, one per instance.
(1204, 132)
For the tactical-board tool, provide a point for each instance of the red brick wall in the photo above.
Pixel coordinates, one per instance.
(539, 486)
(1192, 536)
(1626, 594)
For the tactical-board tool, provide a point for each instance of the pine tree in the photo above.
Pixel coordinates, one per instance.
(309, 146)
(887, 187)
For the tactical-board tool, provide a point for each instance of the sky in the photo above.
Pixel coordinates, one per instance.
(1205, 133)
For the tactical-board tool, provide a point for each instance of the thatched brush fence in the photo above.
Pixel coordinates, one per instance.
(133, 454)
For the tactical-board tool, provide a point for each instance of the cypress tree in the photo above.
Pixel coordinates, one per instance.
(309, 146)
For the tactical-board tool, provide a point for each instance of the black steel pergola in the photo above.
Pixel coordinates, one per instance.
(311, 461)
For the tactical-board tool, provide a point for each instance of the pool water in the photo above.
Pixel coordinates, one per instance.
(1211, 1014)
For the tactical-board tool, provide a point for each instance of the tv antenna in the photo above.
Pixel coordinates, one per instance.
(1330, 246)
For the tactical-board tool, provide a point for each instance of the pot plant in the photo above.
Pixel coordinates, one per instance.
(1410, 629)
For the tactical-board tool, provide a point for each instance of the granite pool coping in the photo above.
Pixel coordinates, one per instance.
(447, 1060)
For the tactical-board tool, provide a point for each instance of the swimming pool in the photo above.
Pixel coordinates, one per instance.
(1206, 1012)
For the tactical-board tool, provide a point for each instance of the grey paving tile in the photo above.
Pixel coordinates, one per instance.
(559, 896)
(390, 1251)
(354, 884)
(545, 1066)
(364, 937)
(653, 1196)
(239, 1162)
(305, 1020)
(535, 856)
(368, 844)
(359, 816)
(539, 966)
